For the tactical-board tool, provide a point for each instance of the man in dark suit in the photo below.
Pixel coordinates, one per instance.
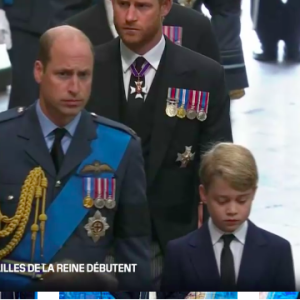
(229, 252)
(29, 19)
(226, 22)
(176, 101)
(274, 21)
(88, 172)
(195, 31)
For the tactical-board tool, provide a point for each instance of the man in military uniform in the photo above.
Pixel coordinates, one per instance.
(182, 26)
(226, 21)
(177, 102)
(84, 193)
(273, 21)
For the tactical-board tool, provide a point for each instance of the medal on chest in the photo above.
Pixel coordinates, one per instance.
(139, 90)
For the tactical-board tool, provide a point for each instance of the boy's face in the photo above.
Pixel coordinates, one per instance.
(228, 208)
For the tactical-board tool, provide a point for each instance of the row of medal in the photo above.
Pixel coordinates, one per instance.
(99, 192)
(187, 103)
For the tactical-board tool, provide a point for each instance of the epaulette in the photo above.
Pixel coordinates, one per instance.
(12, 113)
(114, 124)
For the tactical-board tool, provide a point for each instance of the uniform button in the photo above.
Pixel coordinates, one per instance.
(57, 183)
(10, 197)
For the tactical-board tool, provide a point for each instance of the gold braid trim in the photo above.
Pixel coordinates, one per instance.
(34, 187)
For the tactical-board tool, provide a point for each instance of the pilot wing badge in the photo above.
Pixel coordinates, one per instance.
(96, 168)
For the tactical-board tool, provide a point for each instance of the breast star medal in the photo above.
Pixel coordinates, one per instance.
(185, 157)
(138, 89)
(96, 226)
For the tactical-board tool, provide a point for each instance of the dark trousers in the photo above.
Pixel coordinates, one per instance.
(24, 89)
(274, 21)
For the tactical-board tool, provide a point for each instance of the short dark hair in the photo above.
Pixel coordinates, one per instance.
(46, 42)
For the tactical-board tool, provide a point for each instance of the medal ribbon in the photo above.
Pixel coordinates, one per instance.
(111, 188)
(143, 71)
(98, 188)
(106, 187)
(88, 186)
(203, 103)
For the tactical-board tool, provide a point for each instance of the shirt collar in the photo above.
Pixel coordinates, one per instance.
(216, 233)
(48, 126)
(153, 56)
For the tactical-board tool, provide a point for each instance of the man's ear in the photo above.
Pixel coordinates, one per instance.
(203, 194)
(38, 71)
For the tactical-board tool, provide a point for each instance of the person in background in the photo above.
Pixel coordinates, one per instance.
(5, 45)
(273, 21)
(28, 20)
(229, 252)
(226, 22)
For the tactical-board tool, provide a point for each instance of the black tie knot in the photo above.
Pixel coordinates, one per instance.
(228, 238)
(138, 63)
(59, 133)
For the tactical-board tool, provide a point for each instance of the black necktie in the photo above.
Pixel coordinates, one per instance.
(227, 265)
(57, 152)
(135, 91)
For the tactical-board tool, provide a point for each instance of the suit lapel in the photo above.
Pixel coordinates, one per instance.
(35, 145)
(202, 256)
(173, 74)
(253, 258)
(79, 148)
(106, 98)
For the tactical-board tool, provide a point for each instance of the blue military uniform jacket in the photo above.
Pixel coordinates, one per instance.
(125, 228)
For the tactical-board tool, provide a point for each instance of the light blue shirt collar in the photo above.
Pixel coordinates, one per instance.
(48, 126)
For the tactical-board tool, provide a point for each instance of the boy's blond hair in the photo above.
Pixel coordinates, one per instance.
(233, 163)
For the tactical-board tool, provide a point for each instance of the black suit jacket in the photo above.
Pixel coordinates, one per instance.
(172, 191)
(197, 31)
(266, 265)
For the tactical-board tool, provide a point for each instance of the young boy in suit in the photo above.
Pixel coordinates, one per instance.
(229, 252)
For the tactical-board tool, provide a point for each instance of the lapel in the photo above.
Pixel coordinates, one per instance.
(79, 148)
(202, 256)
(107, 99)
(173, 73)
(253, 258)
(35, 145)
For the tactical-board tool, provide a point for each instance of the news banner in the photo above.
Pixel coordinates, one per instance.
(107, 268)
(67, 268)
(192, 295)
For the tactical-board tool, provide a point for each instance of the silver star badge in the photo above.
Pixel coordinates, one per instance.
(138, 89)
(185, 157)
(96, 226)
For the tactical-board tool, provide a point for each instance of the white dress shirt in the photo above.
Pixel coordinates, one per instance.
(236, 246)
(152, 57)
